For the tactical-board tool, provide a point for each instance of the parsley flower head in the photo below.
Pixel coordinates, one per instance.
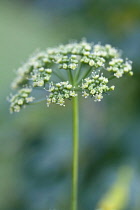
(68, 70)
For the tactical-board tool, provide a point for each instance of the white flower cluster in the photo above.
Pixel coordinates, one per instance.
(20, 99)
(34, 70)
(119, 67)
(59, 92)
(67, 61)
(106, 51)
(40, 76)
(66, 69)
(22, 76)
(67, 57)
(95, 86)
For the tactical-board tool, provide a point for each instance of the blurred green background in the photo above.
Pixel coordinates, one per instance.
(35, 145)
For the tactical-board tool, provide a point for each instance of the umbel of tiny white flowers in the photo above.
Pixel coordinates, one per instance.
(68, 70)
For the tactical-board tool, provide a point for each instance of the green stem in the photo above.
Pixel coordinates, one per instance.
(77, 73)
(59, 76)
(75, 154)
(38, 101)
(112, 77)
(85, 75)
(70, 76)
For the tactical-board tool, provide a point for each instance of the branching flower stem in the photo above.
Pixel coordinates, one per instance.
(112, 77)
(70, 76)
(85, 75)
(77, 73)
(59, 76)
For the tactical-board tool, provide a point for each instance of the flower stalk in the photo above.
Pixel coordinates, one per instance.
(75, 154)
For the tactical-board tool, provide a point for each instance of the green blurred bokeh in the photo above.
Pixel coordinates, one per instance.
(35, 145)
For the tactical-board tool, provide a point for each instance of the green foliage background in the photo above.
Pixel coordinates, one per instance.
(35, 145)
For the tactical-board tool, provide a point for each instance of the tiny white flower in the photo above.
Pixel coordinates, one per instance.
(48, 71)
(47, 78)
(24, 95)
(85, 94)
(40, 83)
(20, 101)
(69, 86)
(41, 69)
(91, 62)
(53, 100)
(92, 91)
(131, 73)
(118, 74)
(61, 102)
(98, 97)
(16, 108)
(112, 87)
(65, 66)
(29, 99)
(72, 93)
(73, 66)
